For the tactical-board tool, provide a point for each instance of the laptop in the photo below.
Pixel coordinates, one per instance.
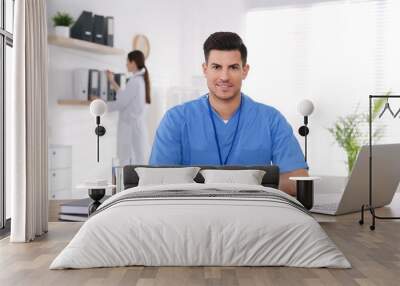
(339, 195)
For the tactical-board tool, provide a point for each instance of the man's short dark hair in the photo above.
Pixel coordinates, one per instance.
(225, 41)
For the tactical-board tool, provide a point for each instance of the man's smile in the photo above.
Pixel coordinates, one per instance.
(224, 86)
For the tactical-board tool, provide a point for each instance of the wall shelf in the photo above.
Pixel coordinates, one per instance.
(73, 102)
(83, 45)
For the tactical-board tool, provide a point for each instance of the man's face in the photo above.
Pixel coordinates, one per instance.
(225, 72)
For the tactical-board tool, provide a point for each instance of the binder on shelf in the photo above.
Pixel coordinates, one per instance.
(83, 27)
(81, 83)
(104, 89)
(120, 79)
(99, 30)
(109, 31)
(94, 83)
(111, 94)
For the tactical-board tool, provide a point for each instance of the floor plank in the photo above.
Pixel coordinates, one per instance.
(374, 255)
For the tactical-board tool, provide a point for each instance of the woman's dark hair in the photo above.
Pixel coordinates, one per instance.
(225, 41)
(138, 57)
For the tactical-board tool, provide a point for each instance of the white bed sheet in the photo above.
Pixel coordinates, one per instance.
(200, 231)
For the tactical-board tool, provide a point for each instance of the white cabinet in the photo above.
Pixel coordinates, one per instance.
(60, 172)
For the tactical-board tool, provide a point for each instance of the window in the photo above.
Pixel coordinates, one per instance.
(335, 53)
(6, 44)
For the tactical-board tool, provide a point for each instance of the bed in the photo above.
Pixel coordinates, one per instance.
(201, 224)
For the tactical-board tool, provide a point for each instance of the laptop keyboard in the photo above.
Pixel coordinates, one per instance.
(329, 207)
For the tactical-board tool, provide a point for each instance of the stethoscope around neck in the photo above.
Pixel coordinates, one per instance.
(210, 112)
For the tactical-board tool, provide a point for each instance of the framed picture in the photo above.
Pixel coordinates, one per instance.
(141, 42)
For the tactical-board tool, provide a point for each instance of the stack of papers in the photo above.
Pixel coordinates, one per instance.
(76, 210)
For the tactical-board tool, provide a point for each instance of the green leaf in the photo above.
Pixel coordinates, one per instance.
(62, 19)
(348, 134)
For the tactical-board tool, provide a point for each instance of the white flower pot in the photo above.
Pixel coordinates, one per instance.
(62, 31)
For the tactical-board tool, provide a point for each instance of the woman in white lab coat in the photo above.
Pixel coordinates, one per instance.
(132, 138)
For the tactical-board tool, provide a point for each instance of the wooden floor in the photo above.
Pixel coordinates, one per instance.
(374, 255)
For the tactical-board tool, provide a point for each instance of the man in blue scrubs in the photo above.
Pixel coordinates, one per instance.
(226, 127)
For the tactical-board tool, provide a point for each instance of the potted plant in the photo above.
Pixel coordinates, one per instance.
(62, 22)
(349, 134)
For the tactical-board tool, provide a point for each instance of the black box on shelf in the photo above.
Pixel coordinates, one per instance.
(83, 27)
(99, 30)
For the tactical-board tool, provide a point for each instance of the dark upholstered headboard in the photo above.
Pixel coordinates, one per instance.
(270, 179)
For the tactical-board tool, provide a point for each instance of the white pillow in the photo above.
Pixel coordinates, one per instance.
(165, 176)
(249, 177)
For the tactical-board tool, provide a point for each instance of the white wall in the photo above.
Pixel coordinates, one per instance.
(319, 52)
(176, 30)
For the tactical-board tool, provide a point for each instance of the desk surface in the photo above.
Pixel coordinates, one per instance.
(390, 210)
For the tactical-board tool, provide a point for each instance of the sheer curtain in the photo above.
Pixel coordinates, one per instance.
(28, 118)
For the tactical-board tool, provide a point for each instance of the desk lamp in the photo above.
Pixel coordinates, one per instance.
(305, 185)
(305, 108)
(98, 108)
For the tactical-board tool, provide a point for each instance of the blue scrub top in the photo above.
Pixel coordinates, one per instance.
(186, 137)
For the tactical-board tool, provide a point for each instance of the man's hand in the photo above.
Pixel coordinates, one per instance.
(290, 186)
